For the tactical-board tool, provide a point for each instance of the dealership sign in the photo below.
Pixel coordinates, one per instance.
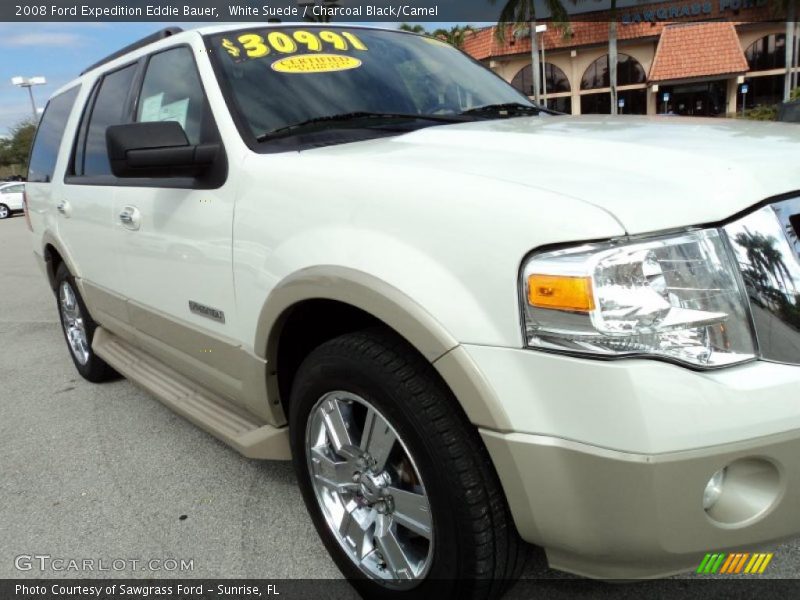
(690, 9)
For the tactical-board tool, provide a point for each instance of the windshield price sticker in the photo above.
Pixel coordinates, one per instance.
(253, 45)
(315, 63)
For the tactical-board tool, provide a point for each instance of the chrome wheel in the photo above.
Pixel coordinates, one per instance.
(4, 212)
(72, 321)
(369, 489)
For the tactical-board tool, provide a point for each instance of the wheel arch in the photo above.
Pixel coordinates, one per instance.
(357, 299)
(54, 254)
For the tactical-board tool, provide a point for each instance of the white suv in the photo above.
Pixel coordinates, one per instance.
(11, 199)
(468, 322)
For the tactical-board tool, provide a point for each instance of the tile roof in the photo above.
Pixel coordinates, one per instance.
(592, 28)
(696, 50)
(483, 43)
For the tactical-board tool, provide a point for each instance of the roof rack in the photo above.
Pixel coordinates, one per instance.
(145, 41)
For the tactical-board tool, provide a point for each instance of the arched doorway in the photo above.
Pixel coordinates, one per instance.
(556, 83)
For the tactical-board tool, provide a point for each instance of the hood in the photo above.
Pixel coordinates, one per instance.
(650, 173)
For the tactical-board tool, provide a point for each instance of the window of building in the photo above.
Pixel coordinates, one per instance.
(629, 72)
(561, 104)
(767, 53)
(763, 91)
(48, 136)
(555, 79)
(634, 103)
(109, 109)
(172, 91)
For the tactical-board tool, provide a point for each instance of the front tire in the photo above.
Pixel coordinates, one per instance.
(5, 212)
(398, 484)
(79, 328)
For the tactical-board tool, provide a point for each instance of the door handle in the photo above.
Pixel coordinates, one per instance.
(129, 217)
(63, 208)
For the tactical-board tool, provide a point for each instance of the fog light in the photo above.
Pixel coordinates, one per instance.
(713, 489)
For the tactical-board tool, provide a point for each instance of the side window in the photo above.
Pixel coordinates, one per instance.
(14, 189)
(48, 136)
(109, 109)
(171, 91)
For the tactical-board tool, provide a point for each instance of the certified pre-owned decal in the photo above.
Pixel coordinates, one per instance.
(254, 45)
(206, 311)
(315, 63)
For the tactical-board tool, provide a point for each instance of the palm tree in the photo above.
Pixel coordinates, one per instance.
(612, 55)
(413, 28)
(322, 18)
(794, 62)
(790, 9)
(454, 36)
(766, 269)
(524, 11)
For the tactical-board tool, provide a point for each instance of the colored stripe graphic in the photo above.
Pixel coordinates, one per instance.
(704, 563)
(767, 558)
(718, 563)
(734, 563)
(727, 564)
(740, 564)
(730, 564)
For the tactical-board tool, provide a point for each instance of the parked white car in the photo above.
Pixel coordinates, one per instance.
(470, 324)
(11, 198)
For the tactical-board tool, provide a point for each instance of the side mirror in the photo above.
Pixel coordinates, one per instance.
(156, 149)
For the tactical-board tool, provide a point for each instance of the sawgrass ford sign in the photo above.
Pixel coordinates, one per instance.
(691, 9)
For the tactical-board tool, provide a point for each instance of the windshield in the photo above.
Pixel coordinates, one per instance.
(280, 77)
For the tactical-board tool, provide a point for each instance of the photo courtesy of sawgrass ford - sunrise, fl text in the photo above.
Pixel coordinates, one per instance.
(399, 299)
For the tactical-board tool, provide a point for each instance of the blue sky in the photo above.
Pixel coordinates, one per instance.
(59, 52)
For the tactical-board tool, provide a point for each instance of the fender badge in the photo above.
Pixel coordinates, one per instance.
(206, 311)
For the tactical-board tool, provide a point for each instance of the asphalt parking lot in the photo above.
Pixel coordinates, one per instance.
(107, 472)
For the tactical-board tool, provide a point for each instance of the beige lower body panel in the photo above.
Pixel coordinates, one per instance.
(613, 515)
(221, 365)
(243, 431)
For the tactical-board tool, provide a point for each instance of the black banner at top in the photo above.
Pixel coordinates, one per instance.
(627, 11)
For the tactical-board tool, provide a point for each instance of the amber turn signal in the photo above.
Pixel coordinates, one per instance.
(560, 292)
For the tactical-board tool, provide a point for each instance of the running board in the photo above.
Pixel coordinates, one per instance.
(208, 411)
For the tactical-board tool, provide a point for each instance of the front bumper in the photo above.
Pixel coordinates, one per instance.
(613, 515)
(604, 463)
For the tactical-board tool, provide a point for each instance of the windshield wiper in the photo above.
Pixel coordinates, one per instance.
(505, 110)
(357, 116)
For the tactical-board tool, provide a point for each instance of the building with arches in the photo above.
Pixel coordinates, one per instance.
(692, 57)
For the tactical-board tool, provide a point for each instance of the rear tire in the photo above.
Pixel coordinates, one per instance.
(473, 549)
(78, 328)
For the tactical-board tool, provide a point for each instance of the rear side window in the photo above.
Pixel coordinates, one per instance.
(13, 189)
(110, 108)
(48, 136)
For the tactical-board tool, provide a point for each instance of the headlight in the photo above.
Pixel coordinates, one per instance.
(675, 297)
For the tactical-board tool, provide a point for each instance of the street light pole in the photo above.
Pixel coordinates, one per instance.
(29, 82)
(541, 29)
(33, 102)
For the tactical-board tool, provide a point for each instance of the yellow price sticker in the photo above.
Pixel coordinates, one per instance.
(253, 45)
